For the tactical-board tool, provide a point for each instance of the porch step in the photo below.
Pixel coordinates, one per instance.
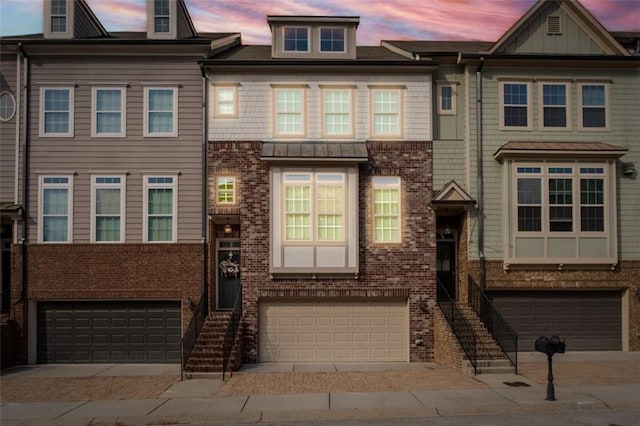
(496, 366)
(207, 356)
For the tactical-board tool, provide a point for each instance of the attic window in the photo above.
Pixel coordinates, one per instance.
(58, 16)
(161, 16)
(554, 25)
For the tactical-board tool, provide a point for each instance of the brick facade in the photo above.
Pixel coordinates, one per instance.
(385, 271)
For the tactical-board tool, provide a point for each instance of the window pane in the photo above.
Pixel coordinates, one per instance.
(56, 110)
(55, 201)
(289, 111)
(160, 228)
(296, 39)
(161, 99)
(298, 212)
(555, 117)
(560, 219)
(108, 201)
(446, 95)
(515, 105)
(54, 228)
(593, 95)
(529, 191)
(591, 191)
(515, 116)
(160, 122)
(515, 94)
(592, 219)
(593, 117)
(386, 202)
(160, 201)
(560, 191)
(332, 40)
(108, 228)
(529, 219)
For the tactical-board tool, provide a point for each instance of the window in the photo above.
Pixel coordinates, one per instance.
(226, 103)
(591, 199)
(160, 208)
(554, 106)
(332, 39)
(58, 16)
(337, 112)
(7, 106)
(161, 111)
(108, 207)
(289, 107)
(226, 190)
(446, 99)
(386, 108)
(386, 209)
(593, 113)
(529, 199)
(515, 109)
(55, 209)
(108, 112)
(161, 16)
(56, 111)
(296, 39)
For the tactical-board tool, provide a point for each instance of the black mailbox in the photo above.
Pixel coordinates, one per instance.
(550, 345)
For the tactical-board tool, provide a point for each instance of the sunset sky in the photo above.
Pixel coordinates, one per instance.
(388, 20)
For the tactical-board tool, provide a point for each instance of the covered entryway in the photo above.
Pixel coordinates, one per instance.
(333, 331)
(587, 320)
(109, 332)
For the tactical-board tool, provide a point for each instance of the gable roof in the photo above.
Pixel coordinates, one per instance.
(587, 21)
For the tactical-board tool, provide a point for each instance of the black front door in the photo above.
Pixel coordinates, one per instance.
(446, 268)
(228, 271)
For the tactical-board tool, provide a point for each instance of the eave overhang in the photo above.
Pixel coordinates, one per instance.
(11, 210)
(451, 200)
(319, 66)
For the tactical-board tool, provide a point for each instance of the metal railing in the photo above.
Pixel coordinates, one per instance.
(504, 335)
(231, 333)
(190, 336)
(459, 325)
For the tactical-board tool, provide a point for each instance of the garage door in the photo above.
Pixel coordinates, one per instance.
(589, 321)
(110, 331)
(330, 332)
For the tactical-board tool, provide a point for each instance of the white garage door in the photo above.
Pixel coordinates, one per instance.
(333, 332)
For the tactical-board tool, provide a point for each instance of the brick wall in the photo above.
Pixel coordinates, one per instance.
(409, 266)
(447, 350)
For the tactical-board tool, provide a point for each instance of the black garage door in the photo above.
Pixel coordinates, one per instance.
(589, 321)
(109, 332)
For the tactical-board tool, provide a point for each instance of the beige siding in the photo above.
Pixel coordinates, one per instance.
(134, 154)
(8, 83)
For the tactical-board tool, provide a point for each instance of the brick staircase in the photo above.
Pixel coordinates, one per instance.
(207, 355)
(490, 358)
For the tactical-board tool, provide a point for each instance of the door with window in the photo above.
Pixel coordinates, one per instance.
(227, 272)
(446, 268)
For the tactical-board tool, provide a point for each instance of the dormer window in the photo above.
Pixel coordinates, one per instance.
(296, 39)
(332, 39)
(161, 16)
(58, 16)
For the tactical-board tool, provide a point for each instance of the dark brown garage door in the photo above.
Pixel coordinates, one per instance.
(589, 321)
(110, 331)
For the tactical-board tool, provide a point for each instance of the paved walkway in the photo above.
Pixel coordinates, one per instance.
(131, 395)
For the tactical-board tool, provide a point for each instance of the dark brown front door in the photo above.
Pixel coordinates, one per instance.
(446, 268)
(228, 272)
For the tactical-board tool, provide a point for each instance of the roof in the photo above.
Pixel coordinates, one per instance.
(573, 149)
(422, 47)
(263, 53)
(314, 151)
(122, 36)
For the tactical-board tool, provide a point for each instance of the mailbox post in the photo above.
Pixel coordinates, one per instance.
(550, 346)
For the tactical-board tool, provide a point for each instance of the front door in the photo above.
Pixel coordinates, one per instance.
(446, 268)
(228, 272)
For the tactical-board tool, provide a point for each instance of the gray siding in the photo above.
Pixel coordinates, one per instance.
(134, 154)
(8, 83)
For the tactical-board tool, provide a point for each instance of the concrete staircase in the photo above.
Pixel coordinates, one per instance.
(207, 355)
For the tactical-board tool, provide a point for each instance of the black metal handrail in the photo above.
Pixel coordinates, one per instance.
(230, 335)
(504, 335)
(190, 336)
(459, 325)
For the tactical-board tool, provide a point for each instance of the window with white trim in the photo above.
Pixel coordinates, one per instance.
(386, 209)
(289, 112)
(108, 207)
(515, 105)
(7, 106)
(160, 208)
(446, 99)
(55, 210)
(225, 101)
(58, 16)
(295, 39)
(332, 39)
(554, 101)
(386, 112)
(161, 16)
(594, 110)
(338, 117)
(226, 190)
(161, 111)
(56, 111)
(108, 118)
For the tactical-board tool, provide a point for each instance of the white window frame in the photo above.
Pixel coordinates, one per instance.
(222, 180)
(325, 91)
(174, 214)
(42, 186)
(606, 106)
(344, 39)
(502, 105)
(94, 113)
(12, 112)
(284, 43)
(157, 15)
(174, 132)
(400, 113)
(454, 94)
(217, 101)
(95, 186)
(542, 106)
(70, 111)
(60, 15)
(302, 113)
(386, 183)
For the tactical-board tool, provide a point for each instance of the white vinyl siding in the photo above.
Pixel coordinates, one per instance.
(55, 209)
(56, 111)
(108, 117)
(160, 208)
(161, 111)
(108, 209)
(386, 209)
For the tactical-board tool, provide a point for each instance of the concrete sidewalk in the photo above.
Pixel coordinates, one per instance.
(443, 392)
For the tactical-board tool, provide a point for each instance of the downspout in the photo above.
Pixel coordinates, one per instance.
(479, 177)
(205, 180)
(25, 175)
